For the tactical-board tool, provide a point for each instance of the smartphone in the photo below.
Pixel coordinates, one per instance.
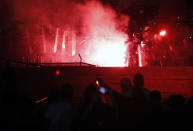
(100, 85)
(102, 90)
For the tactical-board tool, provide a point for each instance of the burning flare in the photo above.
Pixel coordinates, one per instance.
(56, 41)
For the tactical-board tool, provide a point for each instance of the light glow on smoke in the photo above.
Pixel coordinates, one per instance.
(105, 44)
(95, 31)
(88, 31)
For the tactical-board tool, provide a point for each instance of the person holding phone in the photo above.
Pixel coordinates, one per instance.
(93, 114)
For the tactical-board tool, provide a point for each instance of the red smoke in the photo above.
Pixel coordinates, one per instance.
(68, 29)
(105, 42)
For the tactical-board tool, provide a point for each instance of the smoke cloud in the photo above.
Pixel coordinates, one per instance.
(99, 30)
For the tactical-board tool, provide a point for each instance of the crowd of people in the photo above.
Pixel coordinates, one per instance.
(134, 109)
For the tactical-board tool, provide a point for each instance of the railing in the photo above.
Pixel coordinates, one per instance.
(37, 64)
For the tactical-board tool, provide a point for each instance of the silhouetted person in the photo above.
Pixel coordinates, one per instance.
(126, 97)
(127, 89)
(10, 90)
(59, 114)
(140, 99)
(124, 100)
(176, 102)
(177, 114)
(190, 111)
(9, 74)
(17, 106)
(9, 78)
(155, 110)
(155, 97)
(190, 106)
(93, 113)
(140, 93)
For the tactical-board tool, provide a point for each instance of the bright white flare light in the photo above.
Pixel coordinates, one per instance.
(139, 56)
(162, 33)
(63, 41)
(56, 41)
(110, 55)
